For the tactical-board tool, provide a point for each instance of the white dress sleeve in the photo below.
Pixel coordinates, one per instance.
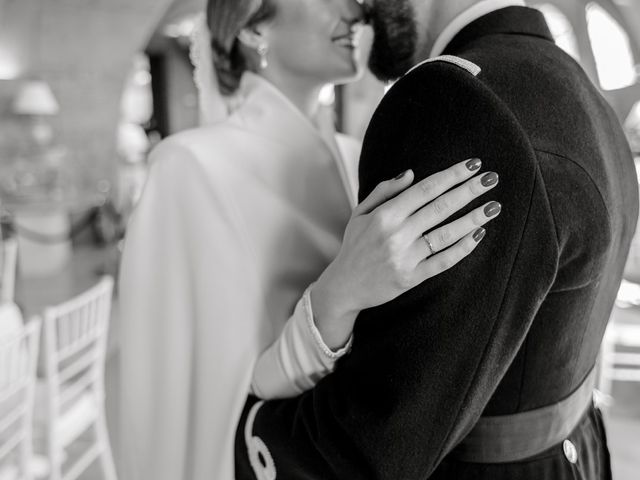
(190, 323)
(298, 359)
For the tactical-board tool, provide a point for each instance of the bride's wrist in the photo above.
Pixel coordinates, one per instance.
(333, 316)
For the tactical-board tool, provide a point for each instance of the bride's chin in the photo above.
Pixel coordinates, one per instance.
(348, 76)
(358, 73)
(353, 71)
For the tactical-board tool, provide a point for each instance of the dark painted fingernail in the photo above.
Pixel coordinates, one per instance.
(474, 164)
(479, 234)
(402, 175)
(492, 209)
(489, 179)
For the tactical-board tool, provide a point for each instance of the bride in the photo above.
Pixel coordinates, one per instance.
(248, 259)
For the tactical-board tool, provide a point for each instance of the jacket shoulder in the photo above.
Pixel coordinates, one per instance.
(440, 113)
(466, 65)
(442, 79)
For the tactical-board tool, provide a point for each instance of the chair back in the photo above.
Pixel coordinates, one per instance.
(75, 343)
(18, 359)
(8, 272)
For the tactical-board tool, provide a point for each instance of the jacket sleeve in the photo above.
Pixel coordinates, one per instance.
(423, 367)
(298, 359)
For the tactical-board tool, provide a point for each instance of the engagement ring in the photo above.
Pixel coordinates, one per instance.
(432, 251)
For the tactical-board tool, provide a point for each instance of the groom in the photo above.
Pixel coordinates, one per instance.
(485, 372)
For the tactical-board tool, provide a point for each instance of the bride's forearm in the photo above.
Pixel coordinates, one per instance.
(333, 312)
(300, 356)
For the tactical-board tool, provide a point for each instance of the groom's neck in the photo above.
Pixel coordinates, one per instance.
(433, 17)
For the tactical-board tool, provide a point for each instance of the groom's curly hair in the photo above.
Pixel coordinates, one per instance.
(226, 19)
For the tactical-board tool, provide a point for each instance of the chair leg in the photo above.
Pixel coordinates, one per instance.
(55, 455)
(25, 460)
(106, 457)
(55, 464)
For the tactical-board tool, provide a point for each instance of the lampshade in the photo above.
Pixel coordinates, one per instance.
(35, 98)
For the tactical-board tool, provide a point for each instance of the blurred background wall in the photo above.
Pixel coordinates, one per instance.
(83, 50)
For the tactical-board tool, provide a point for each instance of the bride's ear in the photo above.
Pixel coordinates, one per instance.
(252, 38)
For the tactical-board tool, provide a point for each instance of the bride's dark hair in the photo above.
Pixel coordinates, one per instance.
(226, 19)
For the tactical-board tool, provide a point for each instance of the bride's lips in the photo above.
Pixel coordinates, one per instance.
(348, 40)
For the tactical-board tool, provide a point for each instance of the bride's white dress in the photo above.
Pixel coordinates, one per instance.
(236, 221)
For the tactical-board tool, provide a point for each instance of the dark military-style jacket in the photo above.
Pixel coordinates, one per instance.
(518, 324)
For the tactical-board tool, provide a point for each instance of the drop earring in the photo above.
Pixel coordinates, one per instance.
(263, 49)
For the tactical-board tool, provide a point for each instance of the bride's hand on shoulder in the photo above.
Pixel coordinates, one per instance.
(391, 244)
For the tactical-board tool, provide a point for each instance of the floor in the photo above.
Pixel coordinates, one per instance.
(33, 294)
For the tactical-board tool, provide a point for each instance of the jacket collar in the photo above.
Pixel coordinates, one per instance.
(509, 21)
(477, 10)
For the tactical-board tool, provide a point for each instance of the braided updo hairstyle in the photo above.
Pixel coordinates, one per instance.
(226, 19)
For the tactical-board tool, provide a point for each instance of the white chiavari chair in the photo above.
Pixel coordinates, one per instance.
(75, 342)
(18, 359)
(619, 358)
(620, 351)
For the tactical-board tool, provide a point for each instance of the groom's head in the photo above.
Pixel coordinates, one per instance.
(405, 31)
(395, 38)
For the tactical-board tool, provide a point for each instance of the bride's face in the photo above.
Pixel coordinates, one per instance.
(317, 39)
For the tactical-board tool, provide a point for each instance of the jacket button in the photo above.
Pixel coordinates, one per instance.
(570, 451)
